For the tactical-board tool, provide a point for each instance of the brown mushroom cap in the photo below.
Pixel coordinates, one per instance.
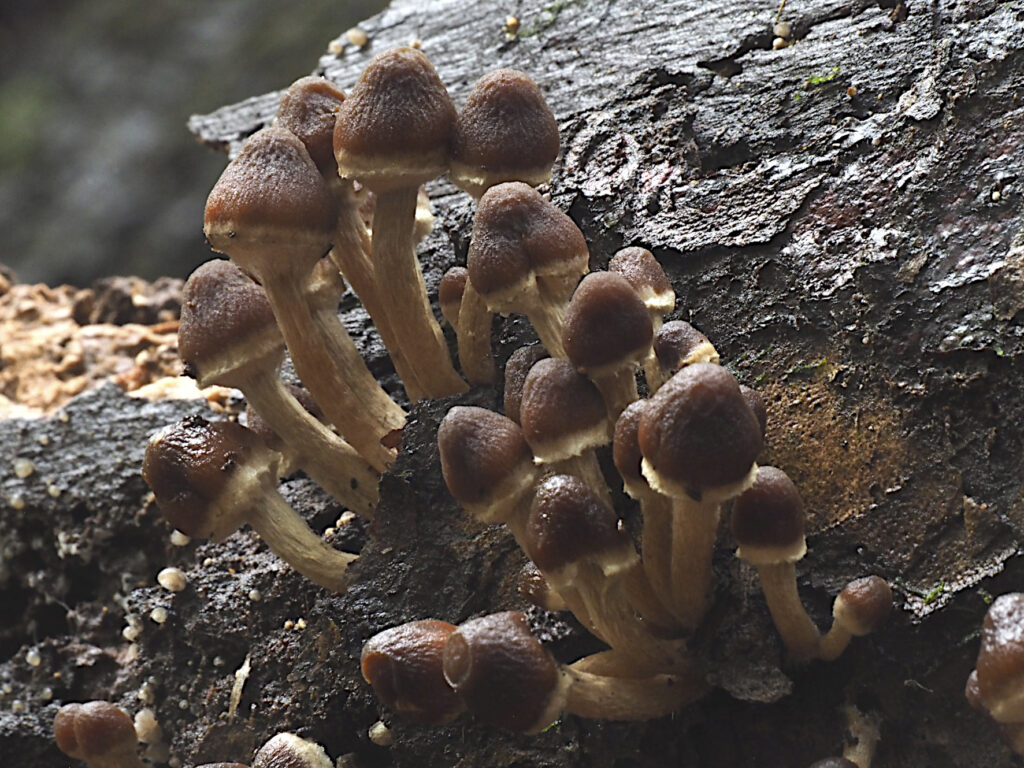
(505, 132)
(569, 526)
(309, 109)
(286, 750)
(450, 292)
(503, 674)
(1001, 659)
(395, 127)
(677, 343)
(517, 236)
(226, 321)
(485, 460)
(757, 405)
(698, 432)
(270, 193)
(626, 451)
(562, 412)
(606, 325)
(189, 467)
(768, 519)
(863, 605)
(94, 731)
(647, 277)
(517, 369)
(403, 664)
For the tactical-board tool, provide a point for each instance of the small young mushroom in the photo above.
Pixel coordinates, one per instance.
(768, 525)
(757, 405)
(677, 344)
(403, 664)
(272, 212)
(534, 587)
(1000, 664)
(526, 256)
(450, 292)
(392, 135)
(99, 733)
(228, 336)
(508, 679)
(607, 331)
(211, 477)
(487, 464)
(648, 279)
(505, 132)
(286, 750)
(564, 420)
(699, 440)
(859, 609)
(518, 367)
(466, 311)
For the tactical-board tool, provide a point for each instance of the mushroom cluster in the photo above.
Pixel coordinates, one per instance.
(996, 685)
(332, 193)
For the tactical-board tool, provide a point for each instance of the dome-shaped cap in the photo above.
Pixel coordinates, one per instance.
(698, 433)
(1001, 659)
(286, 750)
(505, 132)
(626, 451)
(678, 344)
(395, 127)
(486, 462)
(768, 520)
(270, 195)
(863, 605)
(606, 324)
(757, 406)
(450, 292)
(403, 664)
(309, 109)
(517, 369)
(94, 731)
(226, 321)
(562, 412)
(569, 525)
(503, 674)
(647, 277)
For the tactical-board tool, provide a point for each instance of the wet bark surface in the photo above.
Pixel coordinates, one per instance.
(842, 217)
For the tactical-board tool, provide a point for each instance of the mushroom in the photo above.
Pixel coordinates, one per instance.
(564, 419)
(467, 313)
(227, 336)
(677, 344)
(1000, 667)
(518, 367)
(99, 733)
(607, 331)
(768, 525)
(450, 293)
(403, 664)
(392, 135)
(507, 679)
(699, 440)
(211, 477)
(858, 610)
(534, 587)
(585, 553)
(648, 279)
(526, 256)
(286, 750)
(272, 212)
(309, 110)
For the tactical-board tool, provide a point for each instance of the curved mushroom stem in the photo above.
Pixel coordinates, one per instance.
(618, 389)
(546, 318)
(328, 459)
(623, 698)
(325, 376)
(474, 336)
(864, 730)
(288, 536)
(351, 255)
(405, 296)
(694, 531)
(834, 642)
(801, 636)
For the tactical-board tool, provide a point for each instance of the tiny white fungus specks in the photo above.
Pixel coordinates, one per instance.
(44, 440)
(255, 595)
(357, 37)
(63, 417)
(783, 29)
(147, 728)
(335, 47)
(33, 658)
(172, 579)
(53, 490)
(381, 735)
(289, 624)
(132, 631)
(16, 501)
(46, 694)
(218, 661)
(779, 43)
(23, 468)
(179, 539)
(996, 195)
(17, 706)
(300, 624)
(346, 518)
(159, 615)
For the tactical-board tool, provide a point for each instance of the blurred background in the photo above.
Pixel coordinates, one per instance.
(98, 174)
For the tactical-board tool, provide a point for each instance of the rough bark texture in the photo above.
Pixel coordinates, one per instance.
(842, 217)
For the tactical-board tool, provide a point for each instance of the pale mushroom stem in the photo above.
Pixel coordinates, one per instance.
(324, 376)
(351, 255)
(647, 602)
(328, 459)
(404, 294)
(621, 698)
(657, 542)
(834, 642)
(653, 373)
(588, 469)
(800, 635)
(474, 335)
(694, 531)
(546, 319)
(618, 390)
(288, 536)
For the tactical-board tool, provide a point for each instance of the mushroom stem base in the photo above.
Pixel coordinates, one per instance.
(801, 636)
